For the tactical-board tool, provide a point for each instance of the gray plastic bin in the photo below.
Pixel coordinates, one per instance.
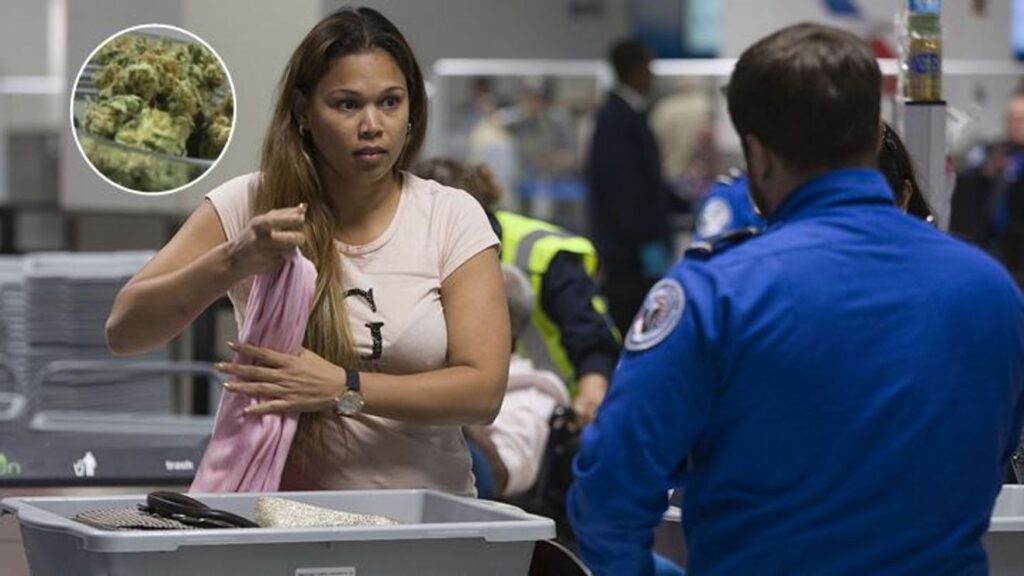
(440, 535)
(1004, 541)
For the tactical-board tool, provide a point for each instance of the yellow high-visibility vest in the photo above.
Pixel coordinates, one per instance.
(531, 245)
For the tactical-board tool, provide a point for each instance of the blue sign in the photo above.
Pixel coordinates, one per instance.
(842, 8)
(926, 6)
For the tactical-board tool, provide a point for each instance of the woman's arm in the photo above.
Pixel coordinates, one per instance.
(469, 391)
(568, 296)
(195, 268)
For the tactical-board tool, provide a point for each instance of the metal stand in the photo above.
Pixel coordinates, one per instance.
(924, 133)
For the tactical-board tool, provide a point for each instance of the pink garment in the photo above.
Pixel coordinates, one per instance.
(248, 453)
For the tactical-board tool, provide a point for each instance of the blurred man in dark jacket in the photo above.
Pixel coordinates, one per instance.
(988, 203)
(629, 201)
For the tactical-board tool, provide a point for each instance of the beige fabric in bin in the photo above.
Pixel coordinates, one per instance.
(282, 513)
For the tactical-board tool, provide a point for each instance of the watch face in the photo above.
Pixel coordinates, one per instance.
(350, 403)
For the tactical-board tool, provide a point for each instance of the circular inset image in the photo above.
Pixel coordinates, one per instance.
(153, 109)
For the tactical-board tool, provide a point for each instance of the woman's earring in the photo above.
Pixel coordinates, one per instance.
(408, 128)
(303, 131)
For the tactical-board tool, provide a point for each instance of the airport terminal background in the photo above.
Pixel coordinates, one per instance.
(514, 85)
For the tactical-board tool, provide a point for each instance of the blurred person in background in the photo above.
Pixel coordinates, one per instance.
(728, 207)
(629, 203)
(490, 142)
(570, 334)
(511, 448)
(683, 125)
(988, 201)
(467, 112)
(543, 131)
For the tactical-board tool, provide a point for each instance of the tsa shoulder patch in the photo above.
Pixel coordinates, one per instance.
(658, 316)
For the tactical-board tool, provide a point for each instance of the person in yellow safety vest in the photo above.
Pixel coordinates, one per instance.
(571, 332)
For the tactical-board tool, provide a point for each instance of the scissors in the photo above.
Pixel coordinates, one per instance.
(189, 511)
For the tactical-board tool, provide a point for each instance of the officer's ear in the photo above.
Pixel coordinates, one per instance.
(759, 160)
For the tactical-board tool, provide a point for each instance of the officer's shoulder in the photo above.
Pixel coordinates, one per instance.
(713, 246)
(659, 314)
(687, 286)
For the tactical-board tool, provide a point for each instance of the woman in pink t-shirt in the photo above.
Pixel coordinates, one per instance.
(408, 337)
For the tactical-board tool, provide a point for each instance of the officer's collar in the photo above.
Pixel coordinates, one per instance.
(847, 186)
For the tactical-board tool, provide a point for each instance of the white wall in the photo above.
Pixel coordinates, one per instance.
(24, 51)
(501, 29)
(22, 46)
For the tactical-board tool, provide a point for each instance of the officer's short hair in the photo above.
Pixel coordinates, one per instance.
(811, 94)
(519, 295)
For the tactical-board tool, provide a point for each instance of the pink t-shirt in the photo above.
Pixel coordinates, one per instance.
(395, 313)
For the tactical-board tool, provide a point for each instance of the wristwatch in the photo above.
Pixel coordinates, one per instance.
(350, 402)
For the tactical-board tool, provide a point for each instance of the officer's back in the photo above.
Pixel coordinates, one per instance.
(869, 371)
(841, 393)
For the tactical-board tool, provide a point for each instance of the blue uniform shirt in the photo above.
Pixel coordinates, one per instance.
(841, 395)
(726, 207)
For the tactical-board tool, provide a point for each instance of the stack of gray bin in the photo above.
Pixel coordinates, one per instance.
(13, 344)
(67, 297)
(1004, 541)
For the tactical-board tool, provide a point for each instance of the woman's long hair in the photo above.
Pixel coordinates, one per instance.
(289, 172)
(898, 168)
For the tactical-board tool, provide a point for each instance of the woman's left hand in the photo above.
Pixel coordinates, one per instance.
(283, 382)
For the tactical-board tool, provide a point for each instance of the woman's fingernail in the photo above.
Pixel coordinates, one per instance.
(232, 345)
(220, 366)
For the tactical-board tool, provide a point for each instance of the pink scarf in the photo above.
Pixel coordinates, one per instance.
(248, 453)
